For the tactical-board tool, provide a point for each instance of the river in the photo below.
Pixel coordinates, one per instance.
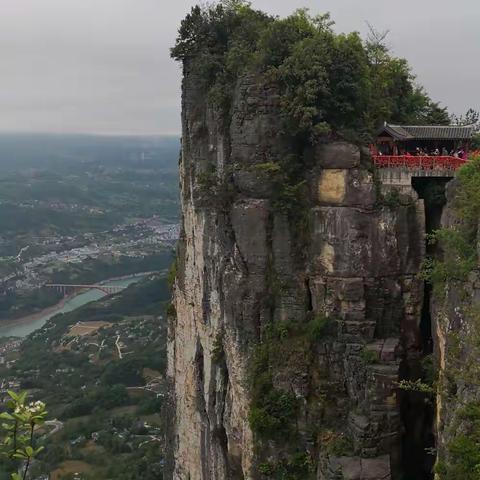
(26, 325)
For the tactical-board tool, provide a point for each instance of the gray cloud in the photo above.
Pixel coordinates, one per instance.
(103, 66)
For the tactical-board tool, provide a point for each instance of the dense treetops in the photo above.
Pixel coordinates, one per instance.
(329, 82)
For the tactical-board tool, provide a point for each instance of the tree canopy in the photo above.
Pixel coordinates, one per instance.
(329, 82)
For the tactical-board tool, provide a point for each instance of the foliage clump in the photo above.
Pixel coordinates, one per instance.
(463, 461)
(289, 191)
(416, 386)
(459, 458)
(368, 356)
(218, 352)
(340, 445)
(328, 82)
(458, 243)
(317, 328)
(467, 196)
(298, 466)
(17, 432)
(103, 397)
(393, 199)
(273, 410)
(457, 261)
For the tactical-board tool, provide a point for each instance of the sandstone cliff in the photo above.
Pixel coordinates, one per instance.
(293, 321)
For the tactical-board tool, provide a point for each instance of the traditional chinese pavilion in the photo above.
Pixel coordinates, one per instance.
(433, 146)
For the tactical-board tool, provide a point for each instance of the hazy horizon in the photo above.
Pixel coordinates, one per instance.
(6, 133)
(102, 67)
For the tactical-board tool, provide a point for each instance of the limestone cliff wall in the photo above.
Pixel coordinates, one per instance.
(456, 333)
(247, 267)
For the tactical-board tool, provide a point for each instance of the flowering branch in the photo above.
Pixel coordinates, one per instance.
(17, 440)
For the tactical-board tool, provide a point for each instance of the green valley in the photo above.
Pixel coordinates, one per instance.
(81, 209)
(100, 369)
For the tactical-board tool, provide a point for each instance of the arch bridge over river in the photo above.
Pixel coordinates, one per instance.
(86, 293)
(66, 288)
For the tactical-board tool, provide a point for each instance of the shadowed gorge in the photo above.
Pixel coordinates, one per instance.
(417, 410)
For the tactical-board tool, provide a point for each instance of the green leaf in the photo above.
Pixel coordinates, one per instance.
(22, 397)
(38, 450)
(13, 395)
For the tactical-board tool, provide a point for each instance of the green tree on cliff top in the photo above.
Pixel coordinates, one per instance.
(329, 83)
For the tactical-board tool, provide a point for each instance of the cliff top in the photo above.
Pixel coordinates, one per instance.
(329, 82)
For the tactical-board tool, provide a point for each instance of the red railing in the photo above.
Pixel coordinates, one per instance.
(423, 163)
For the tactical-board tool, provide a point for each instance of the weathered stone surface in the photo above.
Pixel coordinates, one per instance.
(252, 184)
(332, 186)
(356, 468)
(351, 242)
(456, 330)
(341, 187)
(336, 155)
(245, 265)
(249, 223)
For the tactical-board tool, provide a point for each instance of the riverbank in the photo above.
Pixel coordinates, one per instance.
(23, 326)
(37, 315)
(133, 275)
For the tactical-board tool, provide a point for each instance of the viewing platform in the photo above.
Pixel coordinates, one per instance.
(420, 166)
(403, 153)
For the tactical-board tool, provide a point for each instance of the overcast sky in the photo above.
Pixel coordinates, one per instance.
(103, 66)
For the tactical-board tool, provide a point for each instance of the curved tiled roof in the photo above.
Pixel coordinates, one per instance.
(429, 132)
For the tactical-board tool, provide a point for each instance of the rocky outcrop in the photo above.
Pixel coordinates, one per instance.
(456, 334)
(328, 288)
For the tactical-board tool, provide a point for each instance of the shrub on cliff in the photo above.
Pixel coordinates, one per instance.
(467, 198)
(328, 82)
(273, 410)
(458, 258)
(458, 242)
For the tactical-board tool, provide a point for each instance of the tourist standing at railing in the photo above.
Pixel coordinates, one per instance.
(444, 152)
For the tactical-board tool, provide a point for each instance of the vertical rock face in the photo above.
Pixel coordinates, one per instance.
(322, 299)
(456, 333)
